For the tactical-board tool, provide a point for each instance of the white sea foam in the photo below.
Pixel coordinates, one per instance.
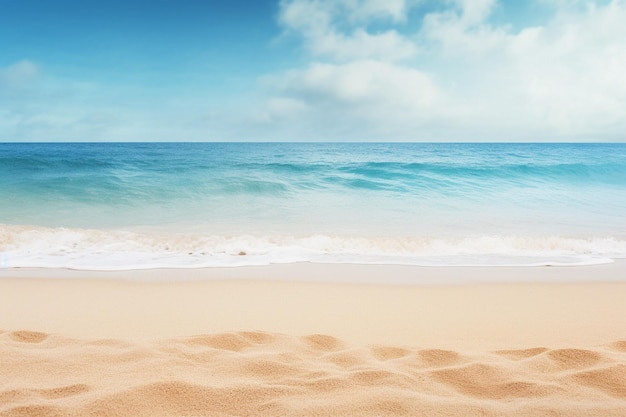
(89, 249)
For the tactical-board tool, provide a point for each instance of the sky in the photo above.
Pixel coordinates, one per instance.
(312, 70)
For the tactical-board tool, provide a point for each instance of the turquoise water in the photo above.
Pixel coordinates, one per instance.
(140, 205)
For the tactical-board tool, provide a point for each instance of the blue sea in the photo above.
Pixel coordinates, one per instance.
(116, 206)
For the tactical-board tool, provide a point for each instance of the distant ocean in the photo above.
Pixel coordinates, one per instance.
(115, 206)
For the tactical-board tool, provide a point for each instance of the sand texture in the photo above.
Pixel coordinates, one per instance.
(269, 374)
(550, 342)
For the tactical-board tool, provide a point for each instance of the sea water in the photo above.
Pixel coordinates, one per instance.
(107, 206)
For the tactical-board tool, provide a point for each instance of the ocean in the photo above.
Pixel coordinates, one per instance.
(117, 206)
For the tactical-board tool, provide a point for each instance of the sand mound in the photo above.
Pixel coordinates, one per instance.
(28, 337)
(264, 374)
(519, 354)
(611, 380)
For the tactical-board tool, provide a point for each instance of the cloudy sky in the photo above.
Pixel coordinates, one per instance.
(312, 70)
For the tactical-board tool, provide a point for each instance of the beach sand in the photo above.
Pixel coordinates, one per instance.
(284, 340)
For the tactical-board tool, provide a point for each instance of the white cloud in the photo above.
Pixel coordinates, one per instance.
(463, 29)
(353, 11)
(573, 70)
(564, 77)
(280, 109)
(363, 10)
(387, 46)
(374, 94)
(362, 83)
(472, 78)
(565, 4)
(18, 74)
(474, 12)
(318, 22)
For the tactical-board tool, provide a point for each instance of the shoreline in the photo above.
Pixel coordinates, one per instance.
(347, 273)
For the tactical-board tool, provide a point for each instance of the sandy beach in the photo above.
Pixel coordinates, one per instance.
(313, 208)
(287, 340)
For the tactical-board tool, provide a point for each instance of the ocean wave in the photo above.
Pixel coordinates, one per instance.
(92, 249)
(133, 178)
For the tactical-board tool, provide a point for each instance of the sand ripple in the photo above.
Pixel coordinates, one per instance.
(263, 374)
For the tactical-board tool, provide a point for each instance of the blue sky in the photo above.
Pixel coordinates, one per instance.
(312, 70)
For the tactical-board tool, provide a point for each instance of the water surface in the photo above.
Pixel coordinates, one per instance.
(140, 205)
